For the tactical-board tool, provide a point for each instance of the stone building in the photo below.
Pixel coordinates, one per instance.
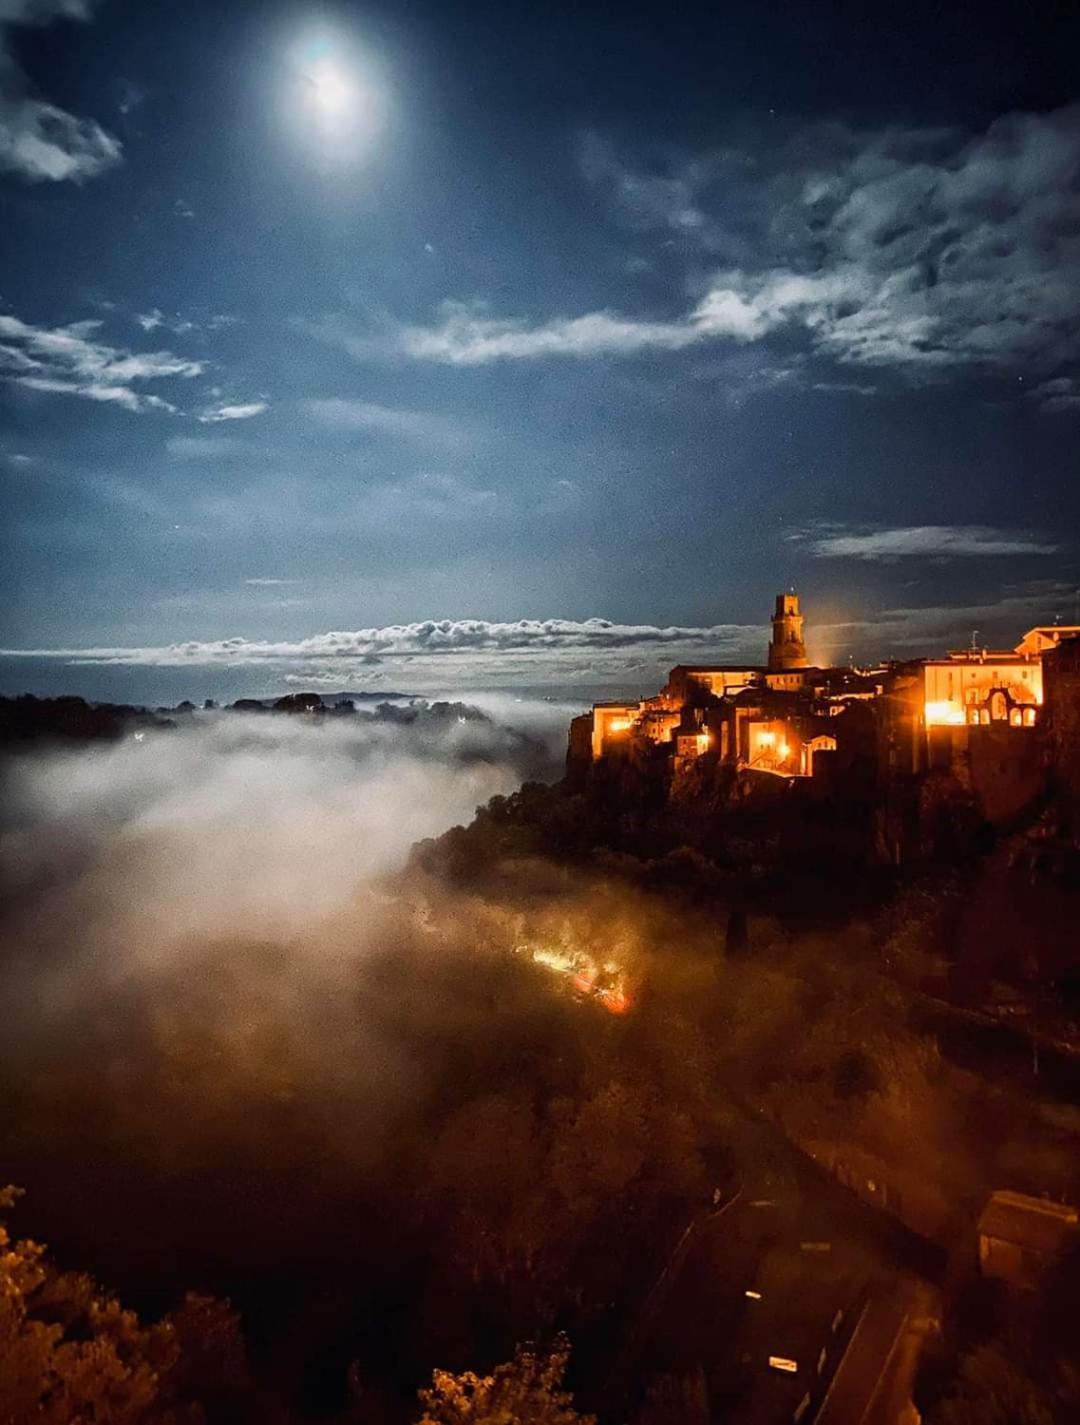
(973, 715)
(787, 648)
(1021, 1238)
(1062, 679)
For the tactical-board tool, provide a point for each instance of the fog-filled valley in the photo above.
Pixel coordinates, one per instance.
(408, 1100)
(246, 1052)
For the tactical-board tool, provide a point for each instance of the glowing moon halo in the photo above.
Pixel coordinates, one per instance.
(333, 95)
(334, 104)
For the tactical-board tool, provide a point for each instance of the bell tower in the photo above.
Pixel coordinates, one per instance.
(787, 649)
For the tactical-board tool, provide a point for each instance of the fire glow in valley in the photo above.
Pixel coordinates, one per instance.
(604, 983)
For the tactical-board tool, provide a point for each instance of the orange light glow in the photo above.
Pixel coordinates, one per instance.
(766, 739)
(603, 984)
(554, 960)
(619, 724)
(615, 1001)
(784, 750)
(944, 714)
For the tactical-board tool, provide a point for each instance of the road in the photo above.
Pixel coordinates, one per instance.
(798, 1270)
(873, 1381)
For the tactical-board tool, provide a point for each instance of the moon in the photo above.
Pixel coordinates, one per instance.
(333, 103)
(332, 91)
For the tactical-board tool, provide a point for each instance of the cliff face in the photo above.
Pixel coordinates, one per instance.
(579, 751)
(1061, 678)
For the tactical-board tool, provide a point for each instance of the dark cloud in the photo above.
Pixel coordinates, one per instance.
(39, 141)
(919, 249)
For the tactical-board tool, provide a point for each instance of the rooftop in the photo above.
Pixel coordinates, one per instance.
(1029, 1221)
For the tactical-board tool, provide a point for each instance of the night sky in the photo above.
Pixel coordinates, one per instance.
(420, 320)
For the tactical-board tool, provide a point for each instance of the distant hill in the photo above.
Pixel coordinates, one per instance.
(28, 719)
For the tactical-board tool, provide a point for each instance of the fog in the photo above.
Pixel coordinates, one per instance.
(244, 1042)
(251, 1046)
(242, 825)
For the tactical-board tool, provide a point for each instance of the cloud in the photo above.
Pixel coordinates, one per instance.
(443, 637)
(95, 391)
(202, 447)
(66, 360)
(156, 319)
(1060, 394)
(340, 414)
(969, 244)
(909, 631)
(915, 249)
(438, 653)
(735, 307)
(656, 199)
(846, 388)
(243, 412)
(39, 141)
(270, 583)
(918, 541)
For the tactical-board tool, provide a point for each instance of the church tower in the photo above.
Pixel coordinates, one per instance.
(787, 649)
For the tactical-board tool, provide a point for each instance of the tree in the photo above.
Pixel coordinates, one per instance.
(67, 1353)
(525, 1391)
(992, 1388)
(71, 1354)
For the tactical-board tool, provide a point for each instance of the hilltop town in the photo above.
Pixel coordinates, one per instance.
(994, 727)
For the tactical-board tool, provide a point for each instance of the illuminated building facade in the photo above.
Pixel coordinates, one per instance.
(781, 718)
(773, 718)
(1047, 637)
(976, 688)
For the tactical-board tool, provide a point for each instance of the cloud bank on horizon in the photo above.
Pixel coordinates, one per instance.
(441, 654)
(919, 541)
